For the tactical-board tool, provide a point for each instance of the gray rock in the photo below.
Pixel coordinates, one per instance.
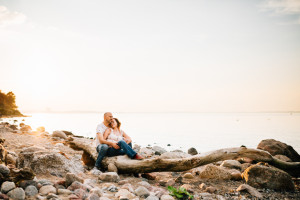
(82, 194)
(64, 192)
(214, 172)
(166, 197)
(4, 170)
(52, 196)
(251, 190)
(90, 182)
(232, 164)
(112, 168)
(45, 190)
(145, 152)
(31, 190)
(17, 194)
(93, 197)
(128, 187)
(104, 198)
(158, 150)
(44, 182)
(96, 191)
(7, 186)
(152, 197)
(109, 177)
(75, 185)
(70, 178)
(112, 188)
(192, 151)
(124, 194)
(141, 191)
(145, 184)
(59, 134)
(25, 183)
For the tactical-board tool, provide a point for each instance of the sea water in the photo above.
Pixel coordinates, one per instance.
(204, 131)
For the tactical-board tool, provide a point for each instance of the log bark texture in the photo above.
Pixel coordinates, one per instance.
(127, 165)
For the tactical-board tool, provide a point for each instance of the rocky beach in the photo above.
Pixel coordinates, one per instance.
(59, 165)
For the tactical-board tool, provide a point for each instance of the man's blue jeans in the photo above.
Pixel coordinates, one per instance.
(102, 152)
(124, 149)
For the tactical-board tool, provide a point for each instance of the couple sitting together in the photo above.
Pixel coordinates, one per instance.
(112, 141)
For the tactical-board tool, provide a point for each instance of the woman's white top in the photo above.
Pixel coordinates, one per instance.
(112, 137)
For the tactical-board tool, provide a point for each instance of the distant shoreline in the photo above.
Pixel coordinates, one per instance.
(12, 116)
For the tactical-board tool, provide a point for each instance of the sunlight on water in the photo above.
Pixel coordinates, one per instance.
(204, 131)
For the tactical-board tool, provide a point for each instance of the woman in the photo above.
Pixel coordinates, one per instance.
(119, 141)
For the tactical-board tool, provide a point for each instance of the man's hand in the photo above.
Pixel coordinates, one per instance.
(114, 145)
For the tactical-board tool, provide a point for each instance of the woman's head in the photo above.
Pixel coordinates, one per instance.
(115, 123)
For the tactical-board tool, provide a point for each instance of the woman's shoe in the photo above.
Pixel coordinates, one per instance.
(138, 157)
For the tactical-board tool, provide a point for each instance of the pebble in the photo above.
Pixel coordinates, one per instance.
(188, 176)
(124, 194)
(64, 192)
(70, 178)
(152, 197)
(4, 170)
(166, 197)
(7, 186)
(145, 184)
(82, 194)
(122, 182)
(31, 190)
(141, 191)
(109, 177)
(112, 188)
(16, 194)
(47, 189)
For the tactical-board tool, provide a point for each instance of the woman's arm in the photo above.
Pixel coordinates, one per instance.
(127, 139)
(105, 136)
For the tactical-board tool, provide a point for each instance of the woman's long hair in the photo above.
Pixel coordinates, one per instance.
(118, 123)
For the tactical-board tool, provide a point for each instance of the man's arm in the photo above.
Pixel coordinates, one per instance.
(103, 139)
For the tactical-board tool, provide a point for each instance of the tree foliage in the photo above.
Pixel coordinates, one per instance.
(8, 104)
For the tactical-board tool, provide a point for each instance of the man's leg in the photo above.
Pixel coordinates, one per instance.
(126, 148)
(102, 152)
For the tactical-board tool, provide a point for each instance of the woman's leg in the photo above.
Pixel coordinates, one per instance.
(126, 148)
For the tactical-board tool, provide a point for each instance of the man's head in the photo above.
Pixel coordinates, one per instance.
(108, 117)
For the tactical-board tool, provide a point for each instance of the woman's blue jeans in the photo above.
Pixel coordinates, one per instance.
(124, 149)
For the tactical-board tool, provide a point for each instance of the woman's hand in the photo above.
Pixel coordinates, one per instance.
(115, 146)
(127, 140)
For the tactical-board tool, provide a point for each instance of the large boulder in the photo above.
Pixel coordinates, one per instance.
(262, 176)
(275, 147)
(45, 161)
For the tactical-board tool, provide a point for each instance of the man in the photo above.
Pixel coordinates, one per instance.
(101, 143)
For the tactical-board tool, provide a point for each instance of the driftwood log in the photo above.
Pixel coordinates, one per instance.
(126, 165)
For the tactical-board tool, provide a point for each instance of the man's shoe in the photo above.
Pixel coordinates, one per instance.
(138, 157)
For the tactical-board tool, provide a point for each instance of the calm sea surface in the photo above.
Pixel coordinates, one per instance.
(204, 131)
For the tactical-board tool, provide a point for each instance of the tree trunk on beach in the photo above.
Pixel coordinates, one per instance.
(127, 165)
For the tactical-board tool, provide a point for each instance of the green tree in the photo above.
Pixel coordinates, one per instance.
(8, 104)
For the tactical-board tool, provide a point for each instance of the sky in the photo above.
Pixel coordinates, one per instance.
(151, 56)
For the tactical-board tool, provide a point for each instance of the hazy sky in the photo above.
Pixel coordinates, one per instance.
(151, 55)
